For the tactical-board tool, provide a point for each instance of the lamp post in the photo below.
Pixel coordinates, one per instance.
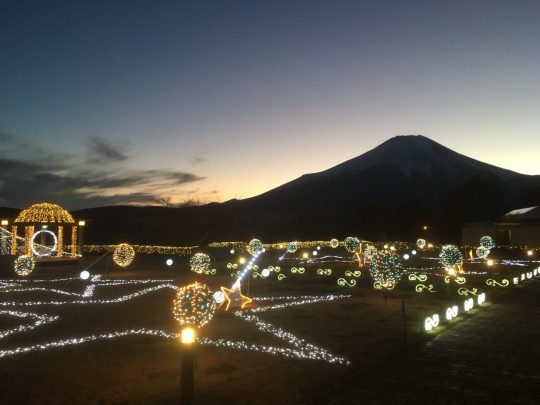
(187, 338)
(82, 224)
(4, 238)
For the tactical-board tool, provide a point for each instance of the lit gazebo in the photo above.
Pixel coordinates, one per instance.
(47, 218)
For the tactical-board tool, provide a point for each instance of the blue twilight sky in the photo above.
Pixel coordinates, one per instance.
(107, 102)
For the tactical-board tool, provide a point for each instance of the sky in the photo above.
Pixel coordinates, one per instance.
(125, 102)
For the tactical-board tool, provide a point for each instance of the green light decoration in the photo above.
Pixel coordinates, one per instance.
(298, 270)
(503, 283)
(355, 273)
(324, 272)
(346, 283)
(352, 244)
(421, 243)
(487, 242)
(232, 265)
(200, 263)
(281, 276)
(482, 252)
(414, 277)
(386, 269)
(457, 280)
(24, 265)
(255, 247)
(275, 269)
(292, 247)
(419, 288)
(451, 258)
(334, 243)
(465, 291)
(194, 305)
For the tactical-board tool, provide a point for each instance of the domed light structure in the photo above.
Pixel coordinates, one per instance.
(46, 217)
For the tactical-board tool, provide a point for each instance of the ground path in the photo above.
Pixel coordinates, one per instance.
(490, 358)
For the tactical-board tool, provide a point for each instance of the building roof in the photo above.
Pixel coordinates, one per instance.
(523, 214)
(44, 213)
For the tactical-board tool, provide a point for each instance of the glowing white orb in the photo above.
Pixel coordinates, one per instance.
(314, 253)
(413, 252)
(318, 248)
(406, 256)
(232, 251)
(219, 297)
(169, 262)
(265, 273)
(85, 275)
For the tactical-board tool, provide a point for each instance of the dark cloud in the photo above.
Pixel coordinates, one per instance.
(104, 150)
(30, 178)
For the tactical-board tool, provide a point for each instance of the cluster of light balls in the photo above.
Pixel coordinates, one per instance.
(450, 256)
(255, 247)
(352, 244)
(200, 263)
(24, 265)
(421, 243)
(369, 253)
(292, 247)
(334, 243)
(386, 269)
(487, 242)
(482, 252)
(123, 254)
(194, 305)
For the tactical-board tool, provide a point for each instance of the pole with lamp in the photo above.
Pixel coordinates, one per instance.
(193, 307)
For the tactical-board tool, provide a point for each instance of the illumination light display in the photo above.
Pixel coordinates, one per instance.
(255, 247)
(386, 269)
(200, 263)
(24, 265)
(123, 254)
(194, 305)
(50, 250)
(334, 243)
(482, 252)
(487, 242)
(352, 244)
(421, 243)
(451, 258)
(292, 247)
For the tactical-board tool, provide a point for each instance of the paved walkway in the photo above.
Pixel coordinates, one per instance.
(490, 358)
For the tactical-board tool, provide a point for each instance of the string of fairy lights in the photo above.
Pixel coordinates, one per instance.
(297, 348)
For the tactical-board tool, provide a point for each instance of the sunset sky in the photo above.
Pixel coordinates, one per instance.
(109, 102)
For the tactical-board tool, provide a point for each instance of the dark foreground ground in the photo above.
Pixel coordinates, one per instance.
(492, 358)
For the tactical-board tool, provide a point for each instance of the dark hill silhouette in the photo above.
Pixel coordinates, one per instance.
(386, 193)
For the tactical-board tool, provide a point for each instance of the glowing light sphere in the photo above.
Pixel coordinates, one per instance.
(318, 248)
(292, 247)
(334, 243)
(200, 263)
(406, 256)
(219, 297)
(490, 262)
(255, 247)
(314, 253)
(352, 244)
(529, 252)
(123, 254)
(450, 256)
(414, 252)
(242, 260)
(85, 275)
(487, 242)
(194, 305)
(421, 243)
(265, 273)
(231, 251)
(369, 253)
(482, 252)
(386, 269)
(24, 265)
(169, 262)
